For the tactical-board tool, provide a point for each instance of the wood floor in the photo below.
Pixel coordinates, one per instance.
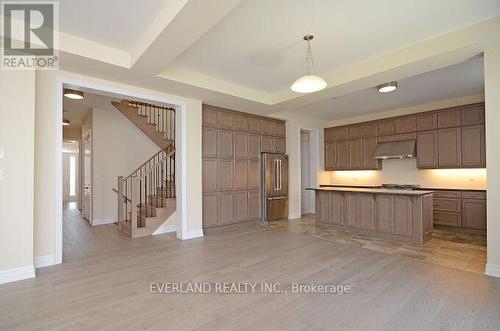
(111, 290)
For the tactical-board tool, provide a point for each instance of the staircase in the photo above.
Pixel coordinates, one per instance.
(146, 197)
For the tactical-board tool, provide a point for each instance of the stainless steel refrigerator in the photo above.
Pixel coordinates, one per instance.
(274, 186)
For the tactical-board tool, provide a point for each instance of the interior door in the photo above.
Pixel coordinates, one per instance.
(87, 177)
(304, 172)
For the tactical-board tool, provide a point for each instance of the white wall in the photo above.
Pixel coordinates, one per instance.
(119, 148)
(17, 128)
(492, 98)
(45, 149)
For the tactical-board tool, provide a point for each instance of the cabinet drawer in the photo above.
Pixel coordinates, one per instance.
(474, 195)
(447, 194)
(450, 219)
(451, 205)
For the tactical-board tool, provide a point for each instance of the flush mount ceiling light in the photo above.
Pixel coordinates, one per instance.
(308, 83)
(388, 87)
(65, 122)
(73, 94)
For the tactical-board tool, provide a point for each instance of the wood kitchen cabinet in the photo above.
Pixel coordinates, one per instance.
(351, 202)
(367, 211)
(406, 124)
(355, 153)
(337, 213)
(341, 157)
(369, 163)
(473, 146)
(457, 208)
(427, 121)
(210, 210)
(427, 149)
(340, 133)
(449, 118)
(330, 155)
(472, 114)
(387, 127)
(474, 214)
(324, 198)
(449, 148)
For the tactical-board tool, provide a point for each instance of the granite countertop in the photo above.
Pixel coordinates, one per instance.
(371, 190)
(419, 189)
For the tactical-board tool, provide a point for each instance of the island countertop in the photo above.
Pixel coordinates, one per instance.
(371, 190)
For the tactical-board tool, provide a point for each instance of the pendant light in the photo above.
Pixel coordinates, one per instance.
(308, 83)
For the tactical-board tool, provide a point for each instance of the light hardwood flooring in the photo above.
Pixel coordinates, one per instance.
(462, 249)
(110, 290)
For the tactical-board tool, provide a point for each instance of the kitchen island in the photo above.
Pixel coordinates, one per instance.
(402, 215)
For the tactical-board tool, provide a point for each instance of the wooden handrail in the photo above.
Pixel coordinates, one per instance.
(124, 197)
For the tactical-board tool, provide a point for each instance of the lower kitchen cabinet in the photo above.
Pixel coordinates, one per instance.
(241, 206)
(226, 208)
(324, 198)
(254, 205)
(210, 210)
(474, 214)
(337, 215)
(367, 211)
(351, 209)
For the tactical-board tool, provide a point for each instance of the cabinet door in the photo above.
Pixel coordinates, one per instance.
(328, 134)
(279, 129)
(449, 147)
(427, 122)
(241, 123)
(254, 175)
(209, 142)
(427, 149)
(473, 114)
(474, 214)
(267, 144)
(324, 202)
(210, 210)
(385, 213)
(254, 125)
(254, 209)
(209, 175)
(337, 208)
(369, 130)
(341, 155)
(473, 147)
(225, 175)
(330, 155)
(403, 215)
(241, 175)
(351, 209)
(241, 145)
(355, 131)
(225, 143)
(447, 218)
(340, 133)
(226, 208)
(355, 153)
(254, 146)
(367, 211)
(279, 145)
(369, 145)
(449, 118)
(226, 120)
(386, 127)
(406, 124)
(210, 117)
(267, 127)
(241, 206)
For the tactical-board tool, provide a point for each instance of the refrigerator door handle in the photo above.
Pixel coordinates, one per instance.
(279, 166)
(275, 177)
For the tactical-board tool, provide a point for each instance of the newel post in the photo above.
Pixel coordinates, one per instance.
(120, 199)
(135, 203)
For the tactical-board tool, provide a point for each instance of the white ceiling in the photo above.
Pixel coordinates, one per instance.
(459, 80)
(259, 44)
(116, 23)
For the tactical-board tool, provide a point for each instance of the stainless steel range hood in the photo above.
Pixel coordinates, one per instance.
(395, 150)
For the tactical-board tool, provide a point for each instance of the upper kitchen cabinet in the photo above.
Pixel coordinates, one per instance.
(342, 155)
(254, 125)
(210, 117)
(406, 124)
(369, 163)
(369, 130)
(472, 114)
(355, 153)
(449, 148)
(328, 134)
(386, 127)
(355, 131)
(279, 129)
(427, 121)
(267, 127)
(330, 155)
(449, 118)
(241, 123)
(226, 120)
(340, 133)
(427, 149)
(473, 146)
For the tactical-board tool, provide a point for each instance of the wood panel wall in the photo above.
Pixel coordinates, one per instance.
(232, 146)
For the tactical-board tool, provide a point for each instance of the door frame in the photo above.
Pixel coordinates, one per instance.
(89, 83)
(86, 135)
(309, 174)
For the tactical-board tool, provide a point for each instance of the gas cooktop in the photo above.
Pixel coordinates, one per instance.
(400, 187)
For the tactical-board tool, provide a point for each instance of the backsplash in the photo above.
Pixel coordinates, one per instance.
(405, 172)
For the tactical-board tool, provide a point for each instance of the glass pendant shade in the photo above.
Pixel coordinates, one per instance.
(308, 84)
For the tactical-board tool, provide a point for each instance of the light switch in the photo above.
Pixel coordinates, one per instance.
(2, 174)
(2, 153)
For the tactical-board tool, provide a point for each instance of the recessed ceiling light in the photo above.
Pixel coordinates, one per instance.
(388, 87)
(73, 94)
(65, 122)
(308, 83)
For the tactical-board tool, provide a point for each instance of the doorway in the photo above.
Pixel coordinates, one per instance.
(305, 173)
(71, 169)
(87, 177)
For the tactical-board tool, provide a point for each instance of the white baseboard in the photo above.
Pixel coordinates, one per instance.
(166, 229)
(294, 216)
(13, 275)
(102, 221)
(492, 270)
(44, 261)
(193, 234)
